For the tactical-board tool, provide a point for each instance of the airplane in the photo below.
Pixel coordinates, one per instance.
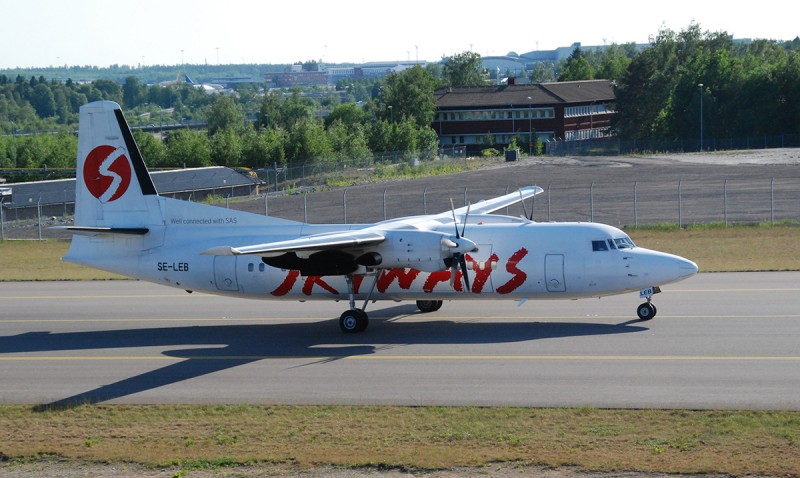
(208, 88)
(122, 225)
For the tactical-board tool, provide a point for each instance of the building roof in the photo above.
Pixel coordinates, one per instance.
(538, 94)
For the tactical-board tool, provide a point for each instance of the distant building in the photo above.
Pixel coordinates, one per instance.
(521, 65)
(330, 75)
(483, 117)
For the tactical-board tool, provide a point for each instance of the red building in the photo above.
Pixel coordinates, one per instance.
(483, 117)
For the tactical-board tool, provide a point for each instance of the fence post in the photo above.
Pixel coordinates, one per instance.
(635, 207)
(549, 219)
(591, 203)
(39, 215)
(772, 202)
(344, 204)
(266, 206)
(680, 201)
(507, 189)
(305, 206)
(2, 221)
(425, 201)
(465, 195)
(384, 205)
(725, 201)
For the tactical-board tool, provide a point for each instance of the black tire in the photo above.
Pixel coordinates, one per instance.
(429, 305)
(353, 321)
(646, 311)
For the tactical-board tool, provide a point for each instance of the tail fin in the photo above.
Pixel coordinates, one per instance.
(113, 189)
(187, 79)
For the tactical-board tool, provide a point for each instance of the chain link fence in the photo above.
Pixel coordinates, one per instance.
(622, 204)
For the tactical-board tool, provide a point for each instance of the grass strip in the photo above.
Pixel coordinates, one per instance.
(423, 438)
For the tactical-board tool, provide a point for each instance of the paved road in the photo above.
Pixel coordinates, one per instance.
(720, 341)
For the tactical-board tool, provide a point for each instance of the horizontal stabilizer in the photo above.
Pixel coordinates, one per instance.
(92, 231)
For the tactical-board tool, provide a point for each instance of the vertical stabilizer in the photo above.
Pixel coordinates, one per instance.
(113, 188)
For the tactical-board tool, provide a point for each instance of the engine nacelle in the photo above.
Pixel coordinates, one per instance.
(422, 250)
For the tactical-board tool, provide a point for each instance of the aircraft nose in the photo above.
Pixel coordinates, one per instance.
(686, 267)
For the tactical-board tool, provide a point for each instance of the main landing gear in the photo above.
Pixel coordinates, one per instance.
(647, 310)
(356, 320)
(429, 305)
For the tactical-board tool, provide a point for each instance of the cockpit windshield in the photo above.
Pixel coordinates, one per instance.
(624, 243)
(613, 244)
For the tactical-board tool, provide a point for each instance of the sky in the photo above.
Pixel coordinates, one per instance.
(45, 33)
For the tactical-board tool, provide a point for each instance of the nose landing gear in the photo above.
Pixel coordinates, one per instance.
(647, 310)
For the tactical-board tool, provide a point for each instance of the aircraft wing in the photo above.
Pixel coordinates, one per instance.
(377, 233)
(316, 242)
(488, 206)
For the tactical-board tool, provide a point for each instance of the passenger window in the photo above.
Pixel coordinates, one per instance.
(599, 246)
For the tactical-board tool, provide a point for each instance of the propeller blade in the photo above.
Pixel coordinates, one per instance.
(463, 261)
(455, 224)
(464, 226)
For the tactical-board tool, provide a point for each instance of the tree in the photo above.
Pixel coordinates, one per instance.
(132, 92)
(576, 67)
(43, 101)
(224, 114)
(349, 114)
(226, 148)
(308, 141)
(543, 72)
(464, 69)
(264, 147)
(152, 149)
(409, 95)
(188, 148)
(348, 142)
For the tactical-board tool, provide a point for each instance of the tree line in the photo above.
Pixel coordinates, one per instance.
(747, 88)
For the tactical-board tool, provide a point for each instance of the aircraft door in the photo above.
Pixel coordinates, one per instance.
(225, 273)
(554, 273)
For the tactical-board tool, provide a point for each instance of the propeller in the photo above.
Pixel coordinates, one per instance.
(461, 246)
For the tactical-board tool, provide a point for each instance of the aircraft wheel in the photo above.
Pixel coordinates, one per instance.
(646, 311)
(353, 321)
(429, 305)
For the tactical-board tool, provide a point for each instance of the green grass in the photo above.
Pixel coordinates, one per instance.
(41, 260)
(421, 438)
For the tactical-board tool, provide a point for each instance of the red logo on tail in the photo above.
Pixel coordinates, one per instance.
(107, 173)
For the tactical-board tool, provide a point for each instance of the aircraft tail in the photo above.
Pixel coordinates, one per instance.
(187, 79)
(113, 189)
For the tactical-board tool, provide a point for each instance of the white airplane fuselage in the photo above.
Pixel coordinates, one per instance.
(516, 259)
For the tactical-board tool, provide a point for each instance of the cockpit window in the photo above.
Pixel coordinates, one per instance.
(599, 246)
(624, 243)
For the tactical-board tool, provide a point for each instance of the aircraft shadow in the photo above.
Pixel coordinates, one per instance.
(209, 349)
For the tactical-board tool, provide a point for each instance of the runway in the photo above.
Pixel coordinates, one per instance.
(720, 341)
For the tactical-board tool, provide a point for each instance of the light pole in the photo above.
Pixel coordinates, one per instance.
(701, 115)
(530, 126)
